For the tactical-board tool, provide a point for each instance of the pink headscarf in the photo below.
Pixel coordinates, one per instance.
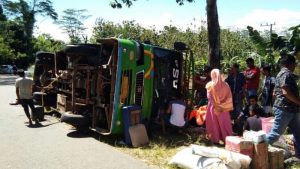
(220, 91)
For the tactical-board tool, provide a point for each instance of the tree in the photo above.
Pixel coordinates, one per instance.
(45, 42)
(212, 25)
(213, 28)
(13, 37)
(6, 53)
(236, 45)
(25, 12)
(295, 39)
(72, 24)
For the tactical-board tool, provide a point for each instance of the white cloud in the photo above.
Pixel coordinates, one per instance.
(164, 19)
(282, 18)
(48, 27)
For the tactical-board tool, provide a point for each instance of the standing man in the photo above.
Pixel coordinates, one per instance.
(24, 95)
(252, 74)
(267, 90)
(200, 83)
(236, 82)
(286, 103)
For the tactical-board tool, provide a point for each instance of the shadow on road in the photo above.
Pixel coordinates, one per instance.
(79, 134)
(7, 79)
(39, 125)
(85, 133)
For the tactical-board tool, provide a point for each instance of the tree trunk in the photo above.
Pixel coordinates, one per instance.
(213, 28)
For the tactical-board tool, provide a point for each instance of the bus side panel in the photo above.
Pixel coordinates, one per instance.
(128, 66)
(148, 83)
(125, 53)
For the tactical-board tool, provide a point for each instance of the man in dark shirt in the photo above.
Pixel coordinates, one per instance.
(236, 81)
(286, 103)
(267, 90)
(200, 83)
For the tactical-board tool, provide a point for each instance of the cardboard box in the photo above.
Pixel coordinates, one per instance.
(260, 156)
(255, 136)
(62, 104)
(276, 158)
(239, 145)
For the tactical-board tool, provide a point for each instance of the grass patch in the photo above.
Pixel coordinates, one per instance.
(162, 147)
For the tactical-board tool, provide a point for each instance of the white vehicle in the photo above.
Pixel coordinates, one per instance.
(6, 69)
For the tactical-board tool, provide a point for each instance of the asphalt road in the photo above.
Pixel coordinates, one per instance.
(52, 145)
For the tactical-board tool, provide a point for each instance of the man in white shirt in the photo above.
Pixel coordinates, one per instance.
(176, 110)
(24, 95)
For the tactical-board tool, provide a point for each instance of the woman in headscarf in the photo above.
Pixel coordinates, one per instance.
(218, 122)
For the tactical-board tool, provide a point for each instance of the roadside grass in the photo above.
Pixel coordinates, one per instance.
(162, 147)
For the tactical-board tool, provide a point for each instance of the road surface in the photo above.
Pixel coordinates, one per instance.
(52, 145)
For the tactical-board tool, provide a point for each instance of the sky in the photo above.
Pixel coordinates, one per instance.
(233, 14)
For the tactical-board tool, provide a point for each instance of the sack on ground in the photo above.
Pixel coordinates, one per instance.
(209, 157)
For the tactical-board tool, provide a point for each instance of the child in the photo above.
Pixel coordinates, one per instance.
(242, 118)
(267, 90)
(253, 122)
(252, 101)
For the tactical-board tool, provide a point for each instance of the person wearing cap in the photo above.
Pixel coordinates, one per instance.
(286, 104)
(24, 95)
(252, 75)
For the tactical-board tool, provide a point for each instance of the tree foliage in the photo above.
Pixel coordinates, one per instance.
(128, 3)
(17, 20)
(214, 45)
(46, 43)
(71, 22)
(295, 39)
(25, 12)
(236, 45)
(261, 43)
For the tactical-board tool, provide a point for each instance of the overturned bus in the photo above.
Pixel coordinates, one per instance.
(93, 82)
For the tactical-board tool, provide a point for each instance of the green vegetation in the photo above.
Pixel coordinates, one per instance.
(17, 21)
(18, 46)
(213, 31)
(235, 44)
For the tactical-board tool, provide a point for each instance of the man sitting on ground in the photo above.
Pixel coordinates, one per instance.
(174, 116)
(239, 123)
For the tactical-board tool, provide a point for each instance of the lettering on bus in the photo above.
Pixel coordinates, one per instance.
(175, 75)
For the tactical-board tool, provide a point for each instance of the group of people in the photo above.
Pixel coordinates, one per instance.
(279, 97)
(226, 112)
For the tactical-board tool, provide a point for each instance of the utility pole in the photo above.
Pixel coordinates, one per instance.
(271, 30)
(271, 27)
